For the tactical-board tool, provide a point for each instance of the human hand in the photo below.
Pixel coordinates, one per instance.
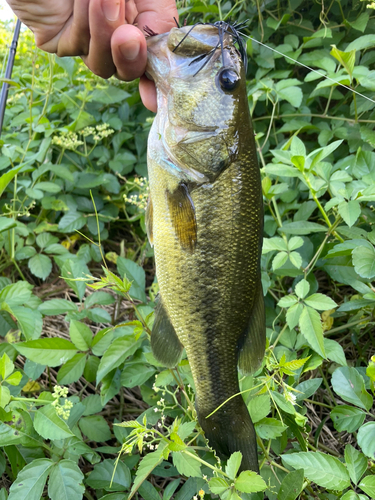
(105, 33)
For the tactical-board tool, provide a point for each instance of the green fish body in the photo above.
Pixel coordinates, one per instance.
(205, 221)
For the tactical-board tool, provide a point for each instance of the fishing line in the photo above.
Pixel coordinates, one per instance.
(308, 67)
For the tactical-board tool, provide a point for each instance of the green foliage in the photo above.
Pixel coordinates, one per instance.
(77, 294)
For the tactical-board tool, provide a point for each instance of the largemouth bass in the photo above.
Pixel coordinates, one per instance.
(204, 219)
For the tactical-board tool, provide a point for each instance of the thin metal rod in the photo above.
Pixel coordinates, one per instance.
(8, 72)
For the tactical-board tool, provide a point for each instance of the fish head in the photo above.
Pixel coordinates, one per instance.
(201, 86)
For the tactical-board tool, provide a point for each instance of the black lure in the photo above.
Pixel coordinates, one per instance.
(223, 27)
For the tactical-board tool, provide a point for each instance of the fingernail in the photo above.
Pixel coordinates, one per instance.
(111, 9)
(130, 50)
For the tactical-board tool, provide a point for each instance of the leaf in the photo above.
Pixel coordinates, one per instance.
(311, 327)
(148, 491)
(347, 418)
(366, 439)
(291, 485)
(80, 334)
(293, 315)
(349, 211)
(109, 95)
(279, 260)
(335, 352)
(6, 224)
(356, 463)
(364, 261)
(259, 407)
(136, 374)
(146, 466)
(49, 425)
(72, 370)
(349, 385)
(186, 464)
(47, 351)
(287, 301)
(4, 396)
(324, 470)
(307, 388)
(302, 288)
(30, 481)
(5, 179)
(116, 354)
(101, 476)
(40, 265)
(233, 464)
(292, 94)
(368, 485)
(29, 320)
(136, 274)
(320, 301)
(71, 222)
(302, 228)
(218, 485)
(74, 270)
(95, 428)
(346, 59)
(250, 482)
(57, 306)
(66, 481)
(6, 366)
(269, 428)
(363, 42)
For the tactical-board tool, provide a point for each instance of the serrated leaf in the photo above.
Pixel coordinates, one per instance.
(356, 463)
(259, 407)
(296, 259)
(6, 366)
(95, 428)
(136, 374)
(347, 418)
(282, 403)
(57, 306)
(291, 485)
(233, 464)
(269, 428)
(47, 351)
(136, 274)
(218, 485)
(293, 315)
(72, 271)
(320, 301)
(366, 439)
(279, 260)
(324, 470)
(40, 265)
(186, 464)
(146, 466)
(49, 425)
(302, 288)
(311, 328)
(250, 482)
(287, 301)
(4, 396)
(349, 385)
(66, 481)
(30, 481)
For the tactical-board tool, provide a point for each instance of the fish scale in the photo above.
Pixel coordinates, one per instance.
(210, 289)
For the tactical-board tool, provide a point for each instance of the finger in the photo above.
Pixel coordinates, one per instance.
(105, 16)
(129, 50)
(148, 93)
(74, 39)
(157, 15)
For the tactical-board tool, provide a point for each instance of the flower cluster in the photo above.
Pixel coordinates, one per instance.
(61, 410)
(68, 140)
(139, 199)
(99, 132)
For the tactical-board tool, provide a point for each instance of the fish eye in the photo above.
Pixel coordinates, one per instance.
(228, 79)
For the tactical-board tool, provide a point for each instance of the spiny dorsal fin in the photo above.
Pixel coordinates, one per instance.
(165, 344)
(182, 212)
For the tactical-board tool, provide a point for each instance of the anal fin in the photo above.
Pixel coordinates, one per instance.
(165, 344)
(253, 341)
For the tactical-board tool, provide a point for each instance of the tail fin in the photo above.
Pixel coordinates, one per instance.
(230, 429)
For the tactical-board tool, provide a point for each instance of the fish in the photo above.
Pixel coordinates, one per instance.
(205, 221)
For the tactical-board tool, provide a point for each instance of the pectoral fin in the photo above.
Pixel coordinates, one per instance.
(253, 341)
(165, 344)
(182, 213)
(149, 221)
